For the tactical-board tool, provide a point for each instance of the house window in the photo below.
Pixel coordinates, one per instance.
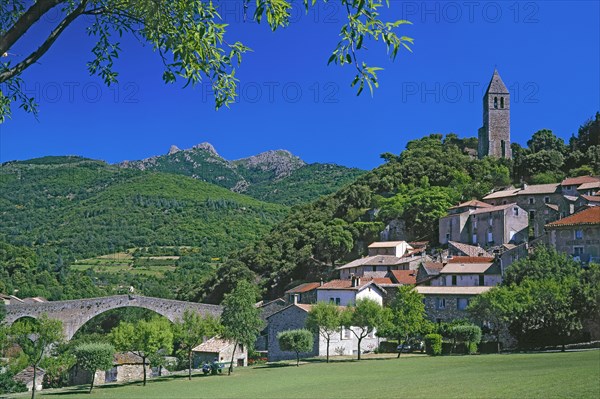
(481, 280)
(491, 221)
(531, 214)
(374, 268)
(447, 236)
(475, 223)
(490, 236)
(578, 234)
(515, 211)
(531, 200)
(337, 301)
(577, 251)
(504, 202)
(440, 303)
(474, 238)
(501, 102)
(453, 280)
(546, 200)
(462, 303)
(345, 334)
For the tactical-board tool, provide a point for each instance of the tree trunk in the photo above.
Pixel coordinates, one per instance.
(400, 350)
(93, 378)
(359, 341)
(190, 364)
(232, 357)
(144, 366)
(563, 348)
(34, 378)
(297, 359)
(327, 350)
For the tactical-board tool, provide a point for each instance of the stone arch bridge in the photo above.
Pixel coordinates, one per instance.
(75, 313)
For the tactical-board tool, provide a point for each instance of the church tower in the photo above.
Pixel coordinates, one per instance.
(494, 135)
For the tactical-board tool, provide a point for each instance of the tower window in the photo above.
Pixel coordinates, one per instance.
(495, 102)
(501, 102)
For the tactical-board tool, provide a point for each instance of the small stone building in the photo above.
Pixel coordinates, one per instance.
(577, 235)
(126, 367)
(26, 377)
(221, 350)
(447, 303)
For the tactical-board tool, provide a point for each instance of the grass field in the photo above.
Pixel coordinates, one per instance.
(540, 375)
(121, 262)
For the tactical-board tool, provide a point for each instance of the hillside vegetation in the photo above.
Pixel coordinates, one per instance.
(56, 210)
(272, 176)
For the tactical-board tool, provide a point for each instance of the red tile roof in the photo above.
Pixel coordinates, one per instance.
(346, 284)
(303, 288)
(404, 276)
(587, 216)
(576, 181)
(470, 259)
(591, 198)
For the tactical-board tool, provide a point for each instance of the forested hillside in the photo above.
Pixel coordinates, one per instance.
(58, 209)
(272, 176)
(417, 186)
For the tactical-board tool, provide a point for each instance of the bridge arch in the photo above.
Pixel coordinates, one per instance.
(75, 313)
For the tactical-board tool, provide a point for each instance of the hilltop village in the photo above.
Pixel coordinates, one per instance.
(474, 245)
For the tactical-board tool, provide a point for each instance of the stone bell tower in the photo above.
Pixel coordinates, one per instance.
(494, 135)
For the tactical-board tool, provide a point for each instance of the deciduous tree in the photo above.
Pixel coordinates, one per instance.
(296, 341)
(36, 337)
(143, 338)
(95, 356)
(406, 315)
(241, 318)
(325, 319)
(189, 37)
(191, 331)
(364, 318)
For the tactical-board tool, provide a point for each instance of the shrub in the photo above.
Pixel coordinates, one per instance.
(8, 385)
(433, 344)
(470, 335)
(296, 341)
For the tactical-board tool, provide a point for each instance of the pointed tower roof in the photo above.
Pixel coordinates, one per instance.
(496, 84)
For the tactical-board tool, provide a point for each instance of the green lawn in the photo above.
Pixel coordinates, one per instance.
(542, 375)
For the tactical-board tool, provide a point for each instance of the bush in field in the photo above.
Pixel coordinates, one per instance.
(433, 344)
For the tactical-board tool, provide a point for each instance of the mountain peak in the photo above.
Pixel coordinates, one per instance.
(174, 149)
(281, 162)
(206, 147)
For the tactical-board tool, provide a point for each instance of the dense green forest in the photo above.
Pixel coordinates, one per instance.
(272, 176)
(59, 209)
(56, 210)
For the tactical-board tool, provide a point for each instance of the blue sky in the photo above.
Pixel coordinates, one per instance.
(546, 52)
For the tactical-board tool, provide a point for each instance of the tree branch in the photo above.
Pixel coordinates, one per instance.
(33, 57)
(30, 17)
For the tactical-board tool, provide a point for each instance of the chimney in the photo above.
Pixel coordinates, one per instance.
(295, 299)
(355, 281)
(321, 283)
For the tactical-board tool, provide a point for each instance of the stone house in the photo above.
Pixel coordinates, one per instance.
(394, 248)
(587, 200)
(26, 377)
(447, 303)
(578, 185)
(347, 292)
(484, 225)
(380, 265)
(544, 203)
(303, 293)
(294, 317)
(577, 235)
(266, 310)
(126, 367)
(221, 350)
(468, 275)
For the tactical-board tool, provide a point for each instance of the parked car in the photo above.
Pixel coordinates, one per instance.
(411, 346)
